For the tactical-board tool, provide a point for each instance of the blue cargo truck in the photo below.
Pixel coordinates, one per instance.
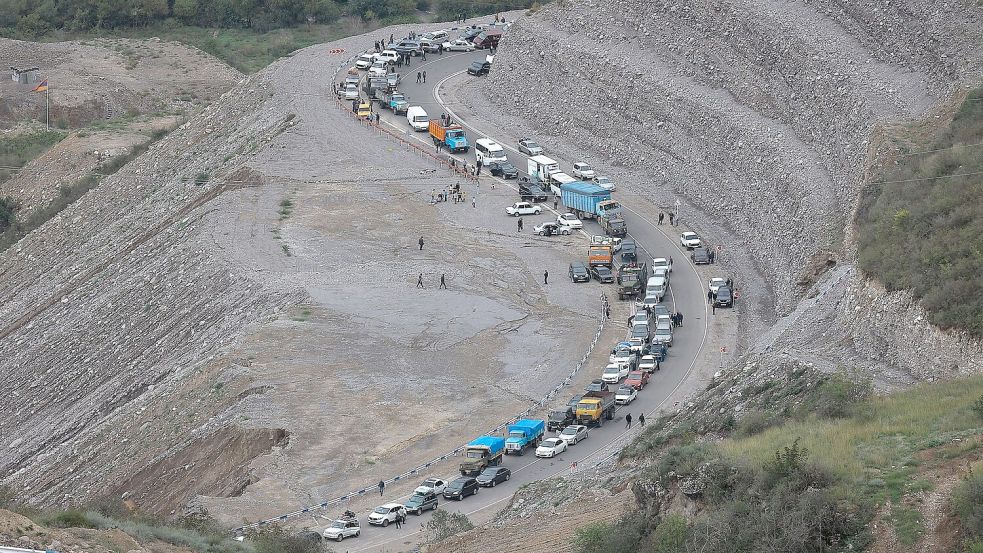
(481, 453)
(590, 201)
(524, 433)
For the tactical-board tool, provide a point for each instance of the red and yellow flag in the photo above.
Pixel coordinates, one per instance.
(41, 87)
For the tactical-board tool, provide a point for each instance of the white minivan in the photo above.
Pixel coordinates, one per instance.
(656, 286)
(487, 151)
(417, 118)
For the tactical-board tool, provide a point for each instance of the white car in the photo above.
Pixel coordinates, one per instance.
(459, 45)
(715, 283)
(663, 334)
(435, 36)
(689, 240)
(614, 372)
(523, 208)
(341, 529)
(648, 364)
(383, 515)
(583, 171)
(573, 434)
(620, 357)
(659, 262)
(365, 61)
(379, 68)
(551, 447)
(552, 229)
(651, 301)
(625, 395)
(435, 485)
(569, 220)
(387, 56)
(662, 273)
(605, 183)
(351, 92)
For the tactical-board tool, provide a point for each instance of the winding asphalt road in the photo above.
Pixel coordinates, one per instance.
(687, 294)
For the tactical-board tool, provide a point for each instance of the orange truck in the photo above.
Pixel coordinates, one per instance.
(600, 254)
(451, 136)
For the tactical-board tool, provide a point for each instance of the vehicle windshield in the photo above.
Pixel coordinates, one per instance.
(489, 472)
(558, 415)
(430, 482)
(689, 235)
(550, 442)
(625, 391)
(474, 454)
(517, 434)
(602, 270)
(415, 499)
(663, 331)
(568, 432)
(585, 406)
(381, 510)
(455, 134)
(338, 524)
(455, 485)
(585, 167)
(612, 370)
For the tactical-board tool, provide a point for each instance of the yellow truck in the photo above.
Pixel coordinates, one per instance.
(596, 407)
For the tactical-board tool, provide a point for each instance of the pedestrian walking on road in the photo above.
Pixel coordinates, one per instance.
(712, 255)
(472, 202)
(641, 419)
(607, 311)
(421, 243)
(730, 284)
(546, 277)
(556, 204)
(419, 281)
(679, 315)
(477, 170)
(442, 283)
(672, 218)
(354, 106)
(628, 420)
(519, 224)
(424, 73)
(424, 58)
(418, 78)
(390, 39)
(382, 485)
(399, 521)
(661, 217)
(713, 308)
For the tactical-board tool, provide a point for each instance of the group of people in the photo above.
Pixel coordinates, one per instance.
(672, 218)
(455, 194)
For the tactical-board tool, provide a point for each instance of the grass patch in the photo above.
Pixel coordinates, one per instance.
(17, 150)
(908, 524)
(934, 218)
(884, 432)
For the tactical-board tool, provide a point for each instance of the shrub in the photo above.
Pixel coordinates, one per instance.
(967, 499)
(621, 537)
(836, 396)
(444, 524)
(71, 518)
(670, 535)
(978, 407)
(755, 422)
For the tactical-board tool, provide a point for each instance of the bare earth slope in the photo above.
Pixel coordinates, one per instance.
(758, 116)
(219, 317)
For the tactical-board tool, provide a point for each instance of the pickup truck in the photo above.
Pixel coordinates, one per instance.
(451, 136)
(482, 453)
(561, 418)
(595, 407)
(524, 433)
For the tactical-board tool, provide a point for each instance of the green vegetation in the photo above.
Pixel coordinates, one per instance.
(808, 475)
(921, 226)
(19, 225)
(444, 524)
(17, 150)
(247, 35)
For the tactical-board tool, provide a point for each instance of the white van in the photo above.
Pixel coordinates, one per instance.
(487, 151)
(417, 118)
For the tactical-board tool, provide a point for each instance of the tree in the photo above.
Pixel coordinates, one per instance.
(186, 10)
(32, 26)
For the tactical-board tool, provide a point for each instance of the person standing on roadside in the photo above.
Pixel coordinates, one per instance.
(679, 316)
(546, 277)
(661, 217)
(672, 218)
(641, 419)
(424, 75)
(418, 78)
(421, 243)
(382, 484)
(519, 224)
(628, 420)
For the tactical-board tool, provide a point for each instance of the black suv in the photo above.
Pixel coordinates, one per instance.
(601, 273)
(503, 169)
(578, 272)
(479, 68)
(724, 297)
(597, 385)
(529, 191)
(628, 251)
(700, 256)
(460, 488)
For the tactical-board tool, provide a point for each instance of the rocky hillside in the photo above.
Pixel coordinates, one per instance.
(757, 115)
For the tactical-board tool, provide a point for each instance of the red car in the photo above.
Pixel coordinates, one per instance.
(637, 379)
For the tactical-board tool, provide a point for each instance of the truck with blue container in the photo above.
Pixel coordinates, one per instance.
(524, 433)
(451, 136)
(590, 201)
(481, 453)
